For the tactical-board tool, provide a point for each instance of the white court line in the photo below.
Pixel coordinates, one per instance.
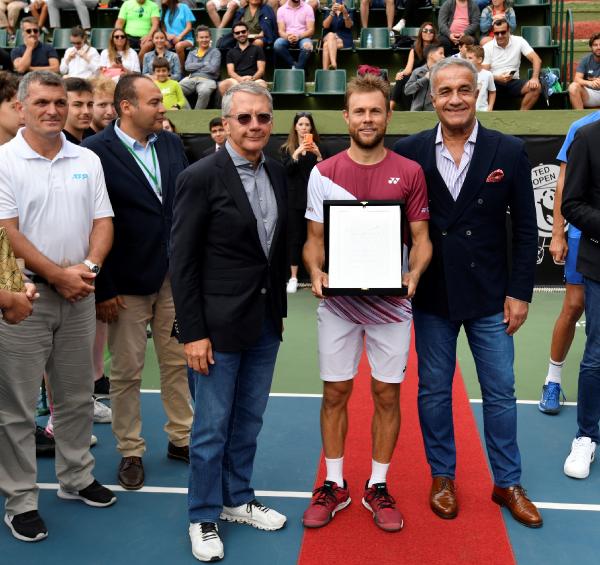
(178, 490)
(300, 494)
(276, 394)
(479, 401)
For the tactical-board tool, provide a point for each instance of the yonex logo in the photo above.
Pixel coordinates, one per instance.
(393, 180)
(80, 176)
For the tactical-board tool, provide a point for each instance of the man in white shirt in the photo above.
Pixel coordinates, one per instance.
(55, 208)
(503, 58)
(81, 60)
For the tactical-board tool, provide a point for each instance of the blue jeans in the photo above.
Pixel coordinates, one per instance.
(588, 397)
(493, 352)
(282, 51)
(229, 405)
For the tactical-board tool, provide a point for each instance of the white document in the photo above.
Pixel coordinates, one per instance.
(365, 247)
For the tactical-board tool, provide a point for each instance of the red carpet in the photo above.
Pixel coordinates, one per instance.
(476, 536)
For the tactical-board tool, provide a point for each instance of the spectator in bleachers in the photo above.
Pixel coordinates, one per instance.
(261, 21)
(496, 10)
(337, 33)
(9, 13)
(485, 80)
(10, 120)
(80, 98)
(139, 19)
(464, 43)
(299, 154)
(204, 66)
(33, 55)
(159, 39)
(230, 7)
(584, 91)
(217, 134)
(81, 60)
(457, 17)
(296, 26)
(103, 115)
(39, 10)
(177, 21)
(82, 7)
(173, 98)
(503, 58)
(419, 85)
(118, 58)
(245, 62)
(416, 58)
(366, 5)
(410, 14)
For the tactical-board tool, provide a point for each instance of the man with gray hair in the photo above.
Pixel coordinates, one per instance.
(229, 270)
(473, 176)
(55, 208)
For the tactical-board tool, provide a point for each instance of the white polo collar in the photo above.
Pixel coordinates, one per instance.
(25, 151)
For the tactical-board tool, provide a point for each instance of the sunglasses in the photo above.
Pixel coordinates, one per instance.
(303, 114)
(140, 12)
(263, 118)
(31, 30)
(241, 32)
(427, 30)
(118, 37)
(500, 33)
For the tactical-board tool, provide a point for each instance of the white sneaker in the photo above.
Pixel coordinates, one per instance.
(206, 543)
(102, 413)
(292, 285)
(93, 440)
(254, 514)
(400, 26)
(577, 464)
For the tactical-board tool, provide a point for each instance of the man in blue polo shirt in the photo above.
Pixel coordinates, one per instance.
(564, 250)
(33, 55)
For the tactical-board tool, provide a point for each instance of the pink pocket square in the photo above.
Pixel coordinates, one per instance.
(495, 176)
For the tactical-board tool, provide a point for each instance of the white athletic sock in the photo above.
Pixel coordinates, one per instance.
(335, 470)
(554, 372)
(378, 472)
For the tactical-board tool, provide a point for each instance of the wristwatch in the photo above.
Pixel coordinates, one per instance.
(92, 266)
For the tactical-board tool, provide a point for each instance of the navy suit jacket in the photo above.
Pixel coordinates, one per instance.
(469, 275)
(139, 259)
(223, 284)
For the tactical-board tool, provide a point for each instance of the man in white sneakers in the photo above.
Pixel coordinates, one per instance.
(581, 207)
(344, 322)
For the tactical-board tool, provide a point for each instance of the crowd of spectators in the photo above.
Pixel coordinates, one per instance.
(282, 34)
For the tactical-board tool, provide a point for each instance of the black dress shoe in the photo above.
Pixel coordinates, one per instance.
(131, 473)
(182, 453)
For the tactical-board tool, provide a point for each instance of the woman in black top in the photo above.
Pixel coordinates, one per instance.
(299, 154)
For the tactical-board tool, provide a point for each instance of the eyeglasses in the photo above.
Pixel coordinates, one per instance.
(303, 114)
(31, 30)
(263, 118)
(140, 12)
(241, 32)
(500, 33)
(118, 37)
(427, 30)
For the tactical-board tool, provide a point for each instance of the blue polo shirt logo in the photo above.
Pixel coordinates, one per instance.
(80, 176)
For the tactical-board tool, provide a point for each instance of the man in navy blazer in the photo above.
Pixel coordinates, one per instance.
(141, 163)
(474, 176)
(229, 276)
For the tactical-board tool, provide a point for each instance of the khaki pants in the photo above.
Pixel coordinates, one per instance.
(127, 346)
(57, 337)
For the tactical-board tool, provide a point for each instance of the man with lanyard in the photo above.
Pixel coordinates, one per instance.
(141, 163)
(365, 171)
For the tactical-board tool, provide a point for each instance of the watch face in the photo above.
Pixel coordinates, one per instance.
(95, 269)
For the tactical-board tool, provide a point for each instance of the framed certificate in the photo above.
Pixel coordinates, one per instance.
(364, 247)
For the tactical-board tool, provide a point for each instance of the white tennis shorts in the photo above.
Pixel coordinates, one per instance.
(593, 100)
(341, 344)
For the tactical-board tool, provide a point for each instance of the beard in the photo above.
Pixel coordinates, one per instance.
(355, 136)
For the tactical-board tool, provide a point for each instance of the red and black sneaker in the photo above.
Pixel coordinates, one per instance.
(381, 503)
(326, 501)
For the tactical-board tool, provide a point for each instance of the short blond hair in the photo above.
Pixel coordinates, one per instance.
(368, 83)
(103, 86)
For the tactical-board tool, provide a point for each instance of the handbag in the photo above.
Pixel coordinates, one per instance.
(11, 277)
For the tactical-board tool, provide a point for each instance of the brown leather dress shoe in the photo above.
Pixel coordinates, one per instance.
(521, 508)
(442, 498)
(131, 473)
(181, 453)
